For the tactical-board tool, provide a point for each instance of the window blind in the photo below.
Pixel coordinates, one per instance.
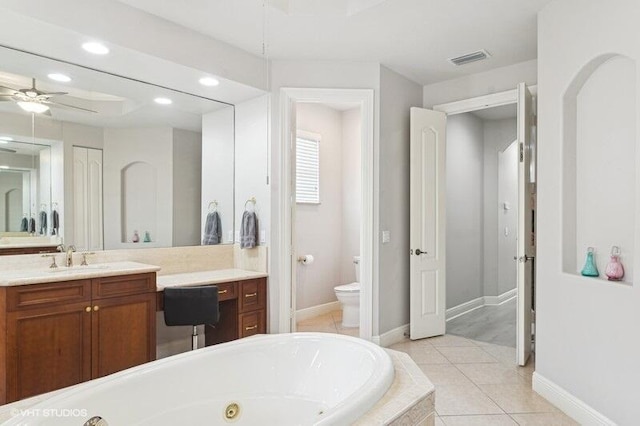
(307, 171)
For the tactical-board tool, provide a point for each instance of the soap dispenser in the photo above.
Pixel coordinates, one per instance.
(614, 270)
(590, 269)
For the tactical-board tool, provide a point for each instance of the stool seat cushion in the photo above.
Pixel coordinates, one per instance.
(191, 305)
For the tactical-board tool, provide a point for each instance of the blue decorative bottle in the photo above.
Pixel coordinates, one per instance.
(590, 269)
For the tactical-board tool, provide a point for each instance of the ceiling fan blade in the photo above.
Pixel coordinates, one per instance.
(9, 88)
(54, 93)
(60, 104)
(8, 150)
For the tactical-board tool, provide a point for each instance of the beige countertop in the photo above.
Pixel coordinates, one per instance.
(62, 273)
(206, 277)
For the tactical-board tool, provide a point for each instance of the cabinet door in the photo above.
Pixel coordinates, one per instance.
(47, 348)
(123, 333)
(252, 323)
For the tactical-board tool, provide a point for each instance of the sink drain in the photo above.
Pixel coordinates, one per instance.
(232, 411)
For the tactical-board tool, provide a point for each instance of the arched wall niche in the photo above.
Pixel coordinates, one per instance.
(599, 162)
(139, 200)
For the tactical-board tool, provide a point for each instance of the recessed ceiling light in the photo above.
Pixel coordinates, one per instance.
(95, 48)
(6, 139)
(163, 101)
(59, 77)
(209, 81)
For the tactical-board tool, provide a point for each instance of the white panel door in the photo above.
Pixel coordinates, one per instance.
(427, 216)
(526, 239)
(94, 199)
(80, 199)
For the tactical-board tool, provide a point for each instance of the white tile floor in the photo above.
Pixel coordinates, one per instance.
(476, 383)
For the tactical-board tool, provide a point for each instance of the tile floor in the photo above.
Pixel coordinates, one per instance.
(491, 324)
(477, 383)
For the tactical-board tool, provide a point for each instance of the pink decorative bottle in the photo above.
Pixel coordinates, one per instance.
(614, 270)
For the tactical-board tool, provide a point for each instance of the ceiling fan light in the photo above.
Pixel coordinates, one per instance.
(34, 107)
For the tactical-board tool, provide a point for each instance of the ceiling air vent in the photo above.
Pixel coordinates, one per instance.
(480, 55)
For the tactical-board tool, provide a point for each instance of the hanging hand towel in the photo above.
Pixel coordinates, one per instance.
(55, 222)
(32, 226)
(43, 223)
(249, 230)
(24, 225)
(212, 230)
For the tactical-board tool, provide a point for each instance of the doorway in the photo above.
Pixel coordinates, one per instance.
(328, 217)
(288, 263)
(482, 219)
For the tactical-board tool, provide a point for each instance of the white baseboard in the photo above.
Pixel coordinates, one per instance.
(474, 304)
(391, 337)
(464, 308)
(575, 408)
(314, 311)
(500, 299)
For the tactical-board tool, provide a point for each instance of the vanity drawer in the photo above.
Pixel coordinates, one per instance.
(124, 285)
(253, 295)
(50, 294)
(252, 323)
(227, 291)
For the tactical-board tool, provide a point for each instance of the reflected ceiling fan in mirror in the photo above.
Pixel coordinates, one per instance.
(34, 100)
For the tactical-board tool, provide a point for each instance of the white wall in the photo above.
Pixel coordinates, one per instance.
(351, 193)
(507, 234)
(498, 135)
(484, 83)
(318, 226)
(252, 162)
(397, 96)
(317, 74)
(154, 148)
(464, 176)
(586, 340)
(218, 168)
(187, 187)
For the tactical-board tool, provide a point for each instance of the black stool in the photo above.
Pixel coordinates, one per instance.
(191, 306)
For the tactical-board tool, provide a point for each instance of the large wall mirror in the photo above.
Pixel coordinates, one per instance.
(105, 162)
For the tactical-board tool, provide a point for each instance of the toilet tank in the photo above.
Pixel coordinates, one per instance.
(356, 265)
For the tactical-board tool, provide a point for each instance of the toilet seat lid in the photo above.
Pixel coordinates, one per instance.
(348, 288)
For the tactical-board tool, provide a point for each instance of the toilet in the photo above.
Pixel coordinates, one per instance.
(349, 297)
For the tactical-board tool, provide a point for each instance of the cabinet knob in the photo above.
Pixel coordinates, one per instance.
(96, 308)
(87, 309)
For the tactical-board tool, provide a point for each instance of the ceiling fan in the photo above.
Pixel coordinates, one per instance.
(34, 100)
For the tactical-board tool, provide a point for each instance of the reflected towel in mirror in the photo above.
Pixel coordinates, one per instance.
(249, 230)
(212, 230)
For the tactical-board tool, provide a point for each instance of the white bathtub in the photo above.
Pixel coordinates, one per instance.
(283, 379)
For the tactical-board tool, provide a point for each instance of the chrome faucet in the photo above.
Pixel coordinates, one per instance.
(69, 250)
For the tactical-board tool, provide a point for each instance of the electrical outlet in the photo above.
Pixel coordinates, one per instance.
(230, 236)
(386, 237)
(263, 237)
(237, 240)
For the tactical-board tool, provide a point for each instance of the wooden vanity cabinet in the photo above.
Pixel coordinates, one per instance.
(243, 311)
(63, 333)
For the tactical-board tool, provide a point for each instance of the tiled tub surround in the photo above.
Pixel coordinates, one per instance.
(409, 400)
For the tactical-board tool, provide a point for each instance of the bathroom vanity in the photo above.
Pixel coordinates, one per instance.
(75, 325)
(242, 297)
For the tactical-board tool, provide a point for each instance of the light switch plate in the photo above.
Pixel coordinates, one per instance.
(263, 237)
(230, 236)
(386, 237)
(237, 240)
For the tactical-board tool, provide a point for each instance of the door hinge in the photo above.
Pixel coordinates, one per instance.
(521, 152)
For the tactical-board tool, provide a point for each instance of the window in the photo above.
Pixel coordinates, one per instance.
(307, 168)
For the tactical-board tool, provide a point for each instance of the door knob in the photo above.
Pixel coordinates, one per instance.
(419, 252)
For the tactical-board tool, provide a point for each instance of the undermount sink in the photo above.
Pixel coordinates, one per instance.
(79, 268)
